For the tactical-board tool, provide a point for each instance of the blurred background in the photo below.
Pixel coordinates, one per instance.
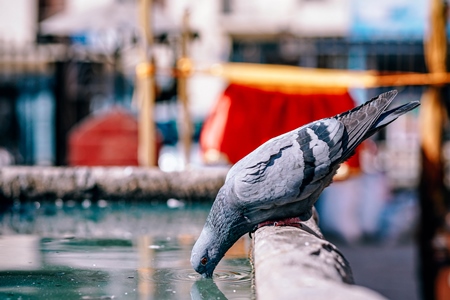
(183, 84)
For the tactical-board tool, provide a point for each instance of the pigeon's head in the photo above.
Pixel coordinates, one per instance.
(206, 253)
(221, 230)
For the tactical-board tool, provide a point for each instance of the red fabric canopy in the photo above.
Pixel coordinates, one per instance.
(245, 117)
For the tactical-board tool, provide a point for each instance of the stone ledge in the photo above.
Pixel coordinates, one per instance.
(129, 183)
(291, 263)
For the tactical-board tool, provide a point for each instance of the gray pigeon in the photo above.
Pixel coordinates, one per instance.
(284, 177)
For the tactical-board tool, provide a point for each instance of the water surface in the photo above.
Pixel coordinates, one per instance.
(103, 250)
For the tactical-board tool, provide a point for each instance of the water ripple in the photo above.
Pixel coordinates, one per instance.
(223, 274)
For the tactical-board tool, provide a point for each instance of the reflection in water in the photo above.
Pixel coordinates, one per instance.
(205, 288)
(120, 251)
(17, 247)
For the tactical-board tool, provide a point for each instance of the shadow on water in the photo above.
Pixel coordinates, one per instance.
(111, 251)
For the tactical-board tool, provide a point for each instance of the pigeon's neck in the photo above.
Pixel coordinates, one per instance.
(226, 221)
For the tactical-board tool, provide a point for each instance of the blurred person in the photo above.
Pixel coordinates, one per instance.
(375, 191)
(6, 157)
(9, 136)
(352, 208)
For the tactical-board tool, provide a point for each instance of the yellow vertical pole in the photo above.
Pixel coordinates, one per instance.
(184, 68)
(431, 187)
(145, 84)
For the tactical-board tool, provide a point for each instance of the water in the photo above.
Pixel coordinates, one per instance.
(103, 250)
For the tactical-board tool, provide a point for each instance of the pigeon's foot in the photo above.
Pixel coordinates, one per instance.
(294, 222)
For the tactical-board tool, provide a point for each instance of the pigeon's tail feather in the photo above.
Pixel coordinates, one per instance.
(390, 116)
(366, 119)
(359, 120)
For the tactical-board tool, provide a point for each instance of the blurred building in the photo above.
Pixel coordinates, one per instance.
(65, 59)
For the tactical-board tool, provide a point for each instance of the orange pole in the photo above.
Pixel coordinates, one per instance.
(146, 92)
(431, 187)
(184, 69)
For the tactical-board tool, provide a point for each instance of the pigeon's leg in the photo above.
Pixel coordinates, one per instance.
(294, 222)
(310, 225)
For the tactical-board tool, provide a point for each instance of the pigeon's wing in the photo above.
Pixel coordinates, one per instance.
(289, 167)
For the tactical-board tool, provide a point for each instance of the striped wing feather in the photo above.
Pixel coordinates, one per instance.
(288, 168)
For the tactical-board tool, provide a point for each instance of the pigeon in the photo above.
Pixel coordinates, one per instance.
(284, 177)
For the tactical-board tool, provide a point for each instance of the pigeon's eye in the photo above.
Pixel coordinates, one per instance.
(204, 261)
